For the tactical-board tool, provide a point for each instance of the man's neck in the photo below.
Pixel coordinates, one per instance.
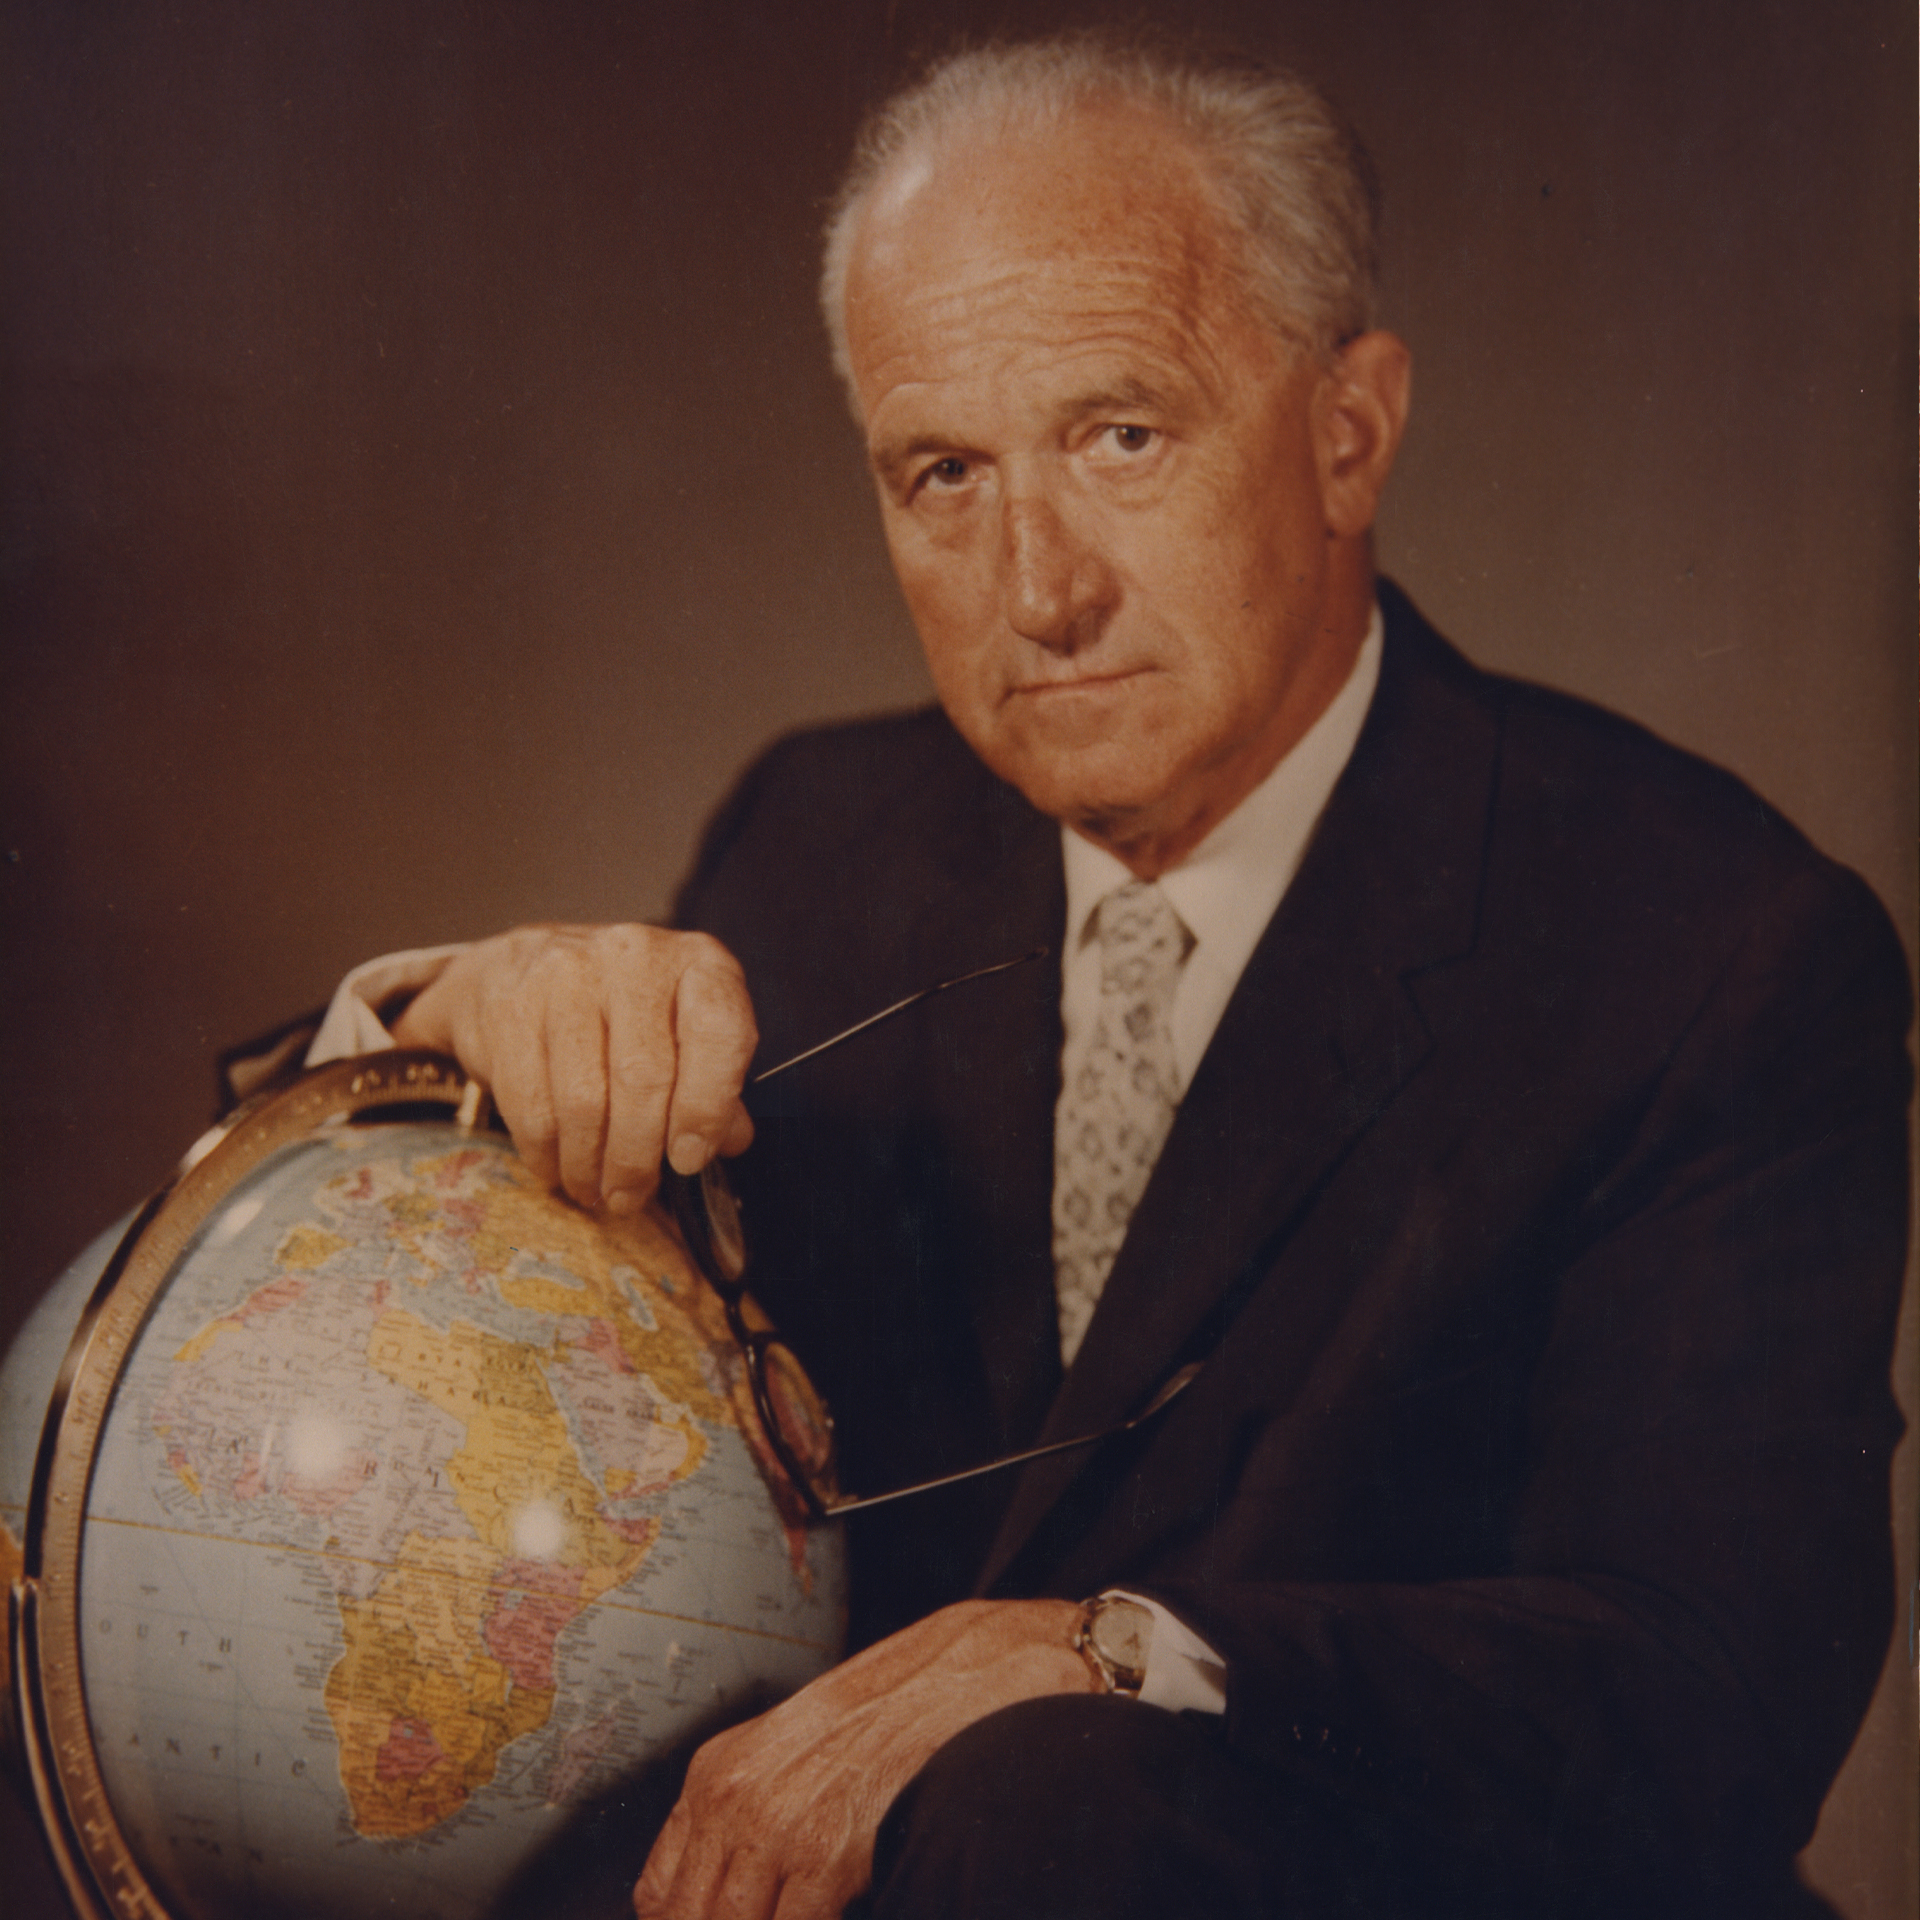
(1227, 888)
(1150, 842)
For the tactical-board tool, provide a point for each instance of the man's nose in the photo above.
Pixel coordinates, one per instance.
(1056, 587)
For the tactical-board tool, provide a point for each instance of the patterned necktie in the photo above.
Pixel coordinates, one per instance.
(1115, 1111)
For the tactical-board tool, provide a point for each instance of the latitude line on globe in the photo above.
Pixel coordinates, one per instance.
(436, 1573)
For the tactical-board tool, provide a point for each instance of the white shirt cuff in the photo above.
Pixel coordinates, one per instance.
(1184, 1674)
(351, 1025)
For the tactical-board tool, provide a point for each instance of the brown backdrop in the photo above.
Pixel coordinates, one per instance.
(424, 483)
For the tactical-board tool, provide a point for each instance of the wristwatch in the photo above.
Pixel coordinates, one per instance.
(1114, 1637)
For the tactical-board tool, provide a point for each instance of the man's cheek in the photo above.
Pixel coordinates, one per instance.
(968, 663)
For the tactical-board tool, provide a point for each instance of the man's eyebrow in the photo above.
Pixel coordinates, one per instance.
(1129, 394)
(887, 457)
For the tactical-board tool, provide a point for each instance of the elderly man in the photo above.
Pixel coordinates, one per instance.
(1504, 1111)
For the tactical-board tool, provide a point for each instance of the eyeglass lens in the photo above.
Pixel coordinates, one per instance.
(799, 1429)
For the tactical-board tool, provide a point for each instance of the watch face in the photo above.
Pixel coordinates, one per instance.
(1122, 1632)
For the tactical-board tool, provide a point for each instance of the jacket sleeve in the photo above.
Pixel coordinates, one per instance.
(1659, 1685)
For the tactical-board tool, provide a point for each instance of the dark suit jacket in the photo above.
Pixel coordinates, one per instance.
(1539, 1205)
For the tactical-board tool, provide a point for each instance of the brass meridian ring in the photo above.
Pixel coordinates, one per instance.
(101, 1874)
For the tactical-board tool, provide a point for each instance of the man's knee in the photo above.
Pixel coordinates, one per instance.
(1079, 1804)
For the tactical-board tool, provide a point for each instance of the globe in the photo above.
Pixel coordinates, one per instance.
(389, 1508)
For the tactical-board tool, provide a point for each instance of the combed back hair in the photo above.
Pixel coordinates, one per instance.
(1295, 186)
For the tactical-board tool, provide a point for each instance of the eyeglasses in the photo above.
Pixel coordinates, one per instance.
(795, 1423)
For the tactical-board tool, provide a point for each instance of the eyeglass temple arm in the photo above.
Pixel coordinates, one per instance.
(899, 1006)
(1178, 1384)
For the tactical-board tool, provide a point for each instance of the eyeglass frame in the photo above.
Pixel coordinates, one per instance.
(707, 1214)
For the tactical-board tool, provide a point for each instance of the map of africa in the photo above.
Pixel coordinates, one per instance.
(426, 1505)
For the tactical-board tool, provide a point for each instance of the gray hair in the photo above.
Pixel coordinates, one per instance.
(1296, 187)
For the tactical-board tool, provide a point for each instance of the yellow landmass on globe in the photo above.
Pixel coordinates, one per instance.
(421, 1709)
(420, 1704)
(523, 1219)
(306, 1248)
(517, 1477)
(197, 1346)
(450, 1657)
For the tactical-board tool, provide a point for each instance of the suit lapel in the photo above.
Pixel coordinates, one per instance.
(1320, 1036)
(991, 1064)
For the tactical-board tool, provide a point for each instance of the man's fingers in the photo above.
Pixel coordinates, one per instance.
(641, 1064)
(691, 1876)
(605, 1048)
(577, 1081)
(778, 1816)
(656, 1877)
(807, 1898)
(714, 1039)
(691, 1889)
(750, 1888)
(511, 1058)
(739, 1134)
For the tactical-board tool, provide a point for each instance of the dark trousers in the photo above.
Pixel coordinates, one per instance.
(1084, 1807)
(1087, 1807)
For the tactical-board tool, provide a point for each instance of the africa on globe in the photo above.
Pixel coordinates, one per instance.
(389, 1508)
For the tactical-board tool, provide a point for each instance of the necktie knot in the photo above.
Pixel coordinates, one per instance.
(1143, 942)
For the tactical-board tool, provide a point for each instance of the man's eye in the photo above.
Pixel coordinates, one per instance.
(945, 473)
(1132, 439)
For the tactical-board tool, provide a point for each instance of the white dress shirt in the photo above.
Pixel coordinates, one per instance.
(1227, 888)
(1225, 891)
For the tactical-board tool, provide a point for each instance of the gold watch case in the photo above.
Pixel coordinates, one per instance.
(1115, 1637)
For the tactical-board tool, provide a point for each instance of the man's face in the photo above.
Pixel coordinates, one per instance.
(1103, 482)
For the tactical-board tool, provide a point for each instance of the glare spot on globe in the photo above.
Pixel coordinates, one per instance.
(237, 1219)
(316, 1446)
(428, 1508)
(539, 1531)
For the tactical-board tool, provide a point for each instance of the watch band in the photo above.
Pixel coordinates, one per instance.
(1114, 1638)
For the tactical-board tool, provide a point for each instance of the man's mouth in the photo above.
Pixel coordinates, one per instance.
(1082, 682)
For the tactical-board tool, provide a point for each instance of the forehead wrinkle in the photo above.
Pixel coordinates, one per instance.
(1064, 284)
(1041, 257)
(1127, 394)
(1152, 336)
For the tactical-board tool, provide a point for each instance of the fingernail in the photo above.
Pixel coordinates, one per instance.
(688, 1154)
(623, 1201)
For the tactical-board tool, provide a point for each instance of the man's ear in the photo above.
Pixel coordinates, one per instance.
(1360, 414)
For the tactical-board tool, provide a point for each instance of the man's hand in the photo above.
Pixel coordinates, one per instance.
(603, 1047)
(779, 1815)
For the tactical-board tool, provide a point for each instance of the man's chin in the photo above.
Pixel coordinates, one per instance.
(1136, 807)
(1113, 812)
